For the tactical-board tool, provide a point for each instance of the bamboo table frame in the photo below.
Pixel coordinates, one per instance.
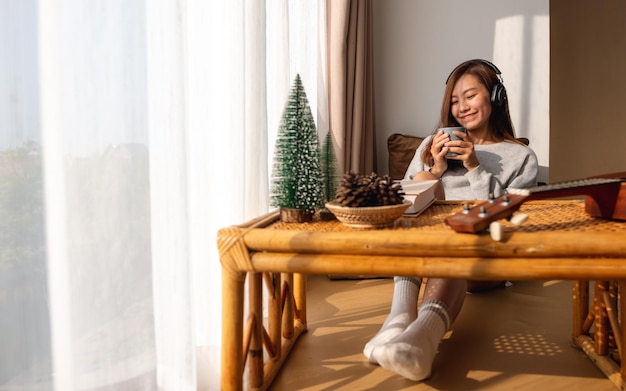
(281, 256)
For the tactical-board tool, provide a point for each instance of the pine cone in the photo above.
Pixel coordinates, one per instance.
(368, 190)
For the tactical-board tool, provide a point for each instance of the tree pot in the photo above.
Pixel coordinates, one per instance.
(290, 215)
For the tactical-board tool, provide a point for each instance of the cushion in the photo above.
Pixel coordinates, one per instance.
(401, 148)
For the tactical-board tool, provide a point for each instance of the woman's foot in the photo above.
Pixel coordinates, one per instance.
(403, 312)
(389, 331)
(411, 353)
(405, 359)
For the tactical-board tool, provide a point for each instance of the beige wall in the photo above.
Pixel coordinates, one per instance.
(587, 88)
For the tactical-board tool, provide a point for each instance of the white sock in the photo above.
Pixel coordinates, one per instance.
(411, 354)
(403, 312)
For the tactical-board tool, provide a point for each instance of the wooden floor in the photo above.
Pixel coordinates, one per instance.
(516, 338)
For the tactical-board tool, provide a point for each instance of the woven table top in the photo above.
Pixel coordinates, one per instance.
(560, 215)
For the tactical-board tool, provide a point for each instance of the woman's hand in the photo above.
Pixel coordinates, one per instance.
(464, 149)
(438, 150)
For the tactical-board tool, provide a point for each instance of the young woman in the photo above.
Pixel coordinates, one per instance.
(488, 161)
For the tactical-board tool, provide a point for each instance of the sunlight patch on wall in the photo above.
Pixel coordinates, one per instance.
(522, 52)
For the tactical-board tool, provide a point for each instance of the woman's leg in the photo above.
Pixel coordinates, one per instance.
(403, 312)
(411, 353)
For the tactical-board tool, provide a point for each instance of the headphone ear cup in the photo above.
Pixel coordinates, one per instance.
(498, 94)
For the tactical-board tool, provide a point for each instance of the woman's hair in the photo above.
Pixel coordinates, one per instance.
(500, 120)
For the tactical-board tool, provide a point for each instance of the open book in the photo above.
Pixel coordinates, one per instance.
(421, 193)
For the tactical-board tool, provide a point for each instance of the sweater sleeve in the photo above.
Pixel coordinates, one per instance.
(526, 176)
(517, 170)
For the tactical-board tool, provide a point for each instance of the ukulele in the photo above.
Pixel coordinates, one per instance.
(605, 198)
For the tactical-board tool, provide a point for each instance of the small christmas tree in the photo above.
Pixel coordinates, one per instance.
(330, 176)
(297, 181)
(329, 169)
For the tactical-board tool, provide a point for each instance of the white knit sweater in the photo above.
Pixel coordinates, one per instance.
(502, 166)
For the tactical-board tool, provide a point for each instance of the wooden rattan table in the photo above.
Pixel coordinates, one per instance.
(559, 241)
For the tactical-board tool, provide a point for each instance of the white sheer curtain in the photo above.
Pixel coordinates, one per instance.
(130, 132)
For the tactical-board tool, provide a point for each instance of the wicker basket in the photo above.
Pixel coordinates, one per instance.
(368, 216)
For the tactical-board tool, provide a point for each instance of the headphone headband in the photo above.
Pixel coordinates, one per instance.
(477, 60)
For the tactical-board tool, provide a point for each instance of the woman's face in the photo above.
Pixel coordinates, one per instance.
(470, 103)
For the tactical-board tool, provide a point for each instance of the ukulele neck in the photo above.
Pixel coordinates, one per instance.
(605, 198)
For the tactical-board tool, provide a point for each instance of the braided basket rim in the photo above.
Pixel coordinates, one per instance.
(368, 216)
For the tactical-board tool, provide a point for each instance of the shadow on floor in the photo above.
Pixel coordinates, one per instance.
(513, 338)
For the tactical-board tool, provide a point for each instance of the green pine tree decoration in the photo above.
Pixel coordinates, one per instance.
(297, 181)
(329, 169)
(330, 175)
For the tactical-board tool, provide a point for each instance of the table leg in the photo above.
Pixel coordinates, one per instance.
(288, 308)
(299, 288)
(596, 348)
(275, 314)
(232, 330)
(601, 325)
(580, 297)
(255, 351)
(621, 288)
